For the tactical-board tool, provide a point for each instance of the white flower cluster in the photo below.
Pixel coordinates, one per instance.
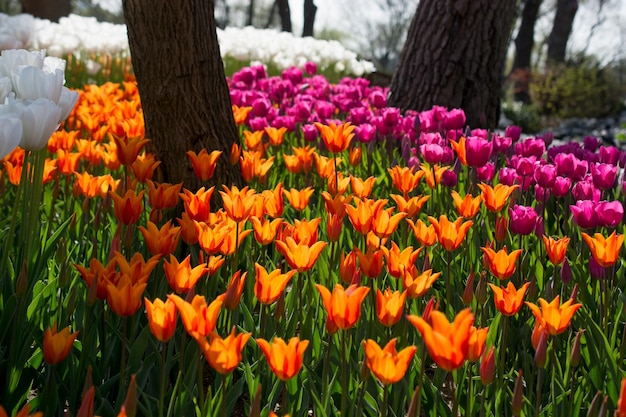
(76, 35)
(33, 100)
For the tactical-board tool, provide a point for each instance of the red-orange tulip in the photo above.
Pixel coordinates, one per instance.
(478, 337)
(363, 214)
(300, 257)
(268, 287)
(181, 276)
(223, 354)
(161, 242)
(468, 206)
(450, 234)
(405, 179)
(389, 306)
(337, 138)
(370, 262)
(426, 235)
(161, 318)
(128, 207)
(398, 260)
(197, 205)
(234, 290)
(553, 316)
(285, 360)
(501, 264)
(265, 230)
(556, 249)
(124, 298)
(343, 306)
(604, 250)
(411, 206)
(164, 195)
(507, 299)
(299, 199)
(496, 198)
(238, 203)
(362, 188)
(417, 283)
(198, 318)
(388, 365)
(203, 163)
(57, 345)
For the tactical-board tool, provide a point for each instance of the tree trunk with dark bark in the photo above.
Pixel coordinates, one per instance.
(561, 30)
(524, 43)
(183, 90)
(285, 15)
(47, 9)
(310, 9)
(250, 13)
(454, 57)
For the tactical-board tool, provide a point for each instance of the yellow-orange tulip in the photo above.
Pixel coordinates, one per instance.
(450, 234)
(144, 167)
(447, 343)
(253, 140)
(268, 287)
(468, 206)
(235, 290)
(426, 235)
(275, 135)
(478, 337)
(161, 318)
(336, 204)
(273, 201)
(285, 360)
(181, 276)
(411, 206)
(124, 297)
(164, 195)
(604, 250)
(198, 318)
(57, 345)
(405, 179)
(210, 238)
(501, 264)
(496, 198)
(223, 354)
(161, 242)
(554, 316)
(204, 163)
(299, 199)
(430, 178)
(238, 203)
(240, 113)
(362, 188)
(301, 256)
(398, 259)
(325, 166)
(363, 214)
(390, 306)
(197, 205)
(417, 283)
(508, 300)
(459, 148)
(556, 249)
(384, 224)
(387, 365)
(265, 230)
(342, 305)
(306, 155)
(305, 231)
(337, 138)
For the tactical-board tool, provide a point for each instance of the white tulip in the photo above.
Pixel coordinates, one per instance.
(31, 83)
(10, 133)
(67, 101)
(12, 58)
(40, 119)
(5, 88)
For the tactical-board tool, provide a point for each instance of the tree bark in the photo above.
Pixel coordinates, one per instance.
(285, 15)
(250, 13)
(454, 57)
(47, 9)
(524, 43)
(561, 30)
(310, 9)
(183, 90)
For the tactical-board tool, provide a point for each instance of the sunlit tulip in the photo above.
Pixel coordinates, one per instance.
(334, 225)
(387, 365)
(610, 213)
(431, 178)
(370, 262)
(477, 151)
(10, 133)
(501, 263)
(343, 306)
(197, 205)
(128, 207)
(248, 162)
(556, 249)
(355, 156)
(238, 203)
(325, 166)
(164, 195)
(306, 156)
(275, 135)
(301, 256)
(233, 239)
(57, 345)
(412, 206)
(362, 188)
(203, 163)
(305, 231)
(40, 119)
(265, 230)
(253, 140)
(273, 201)
(426, 235)
(508, 300)
(605, 251)
(198, 318)
(144, 166)
(450, 234)
(210, 238)
(348, 271)
(240, 113)
(554, 316)
(523, 219)
(181, 276)
(223, 355)
(468, 206)
(459, 148)
(235, 290)
(137, 268)
(416, 283)
(86, 185)
(447, 343)
(384, 223)
(163, 241)
(161, 318)
(293, 164)
(128, 148)
(268, 287)
(124, 297)
(337, 138)
(404, 179)
(285, 360)
(478, 337)
(338, 184)
(496, 198)
(364, 213)
(389, 306)
(299, 199)
(336, 204)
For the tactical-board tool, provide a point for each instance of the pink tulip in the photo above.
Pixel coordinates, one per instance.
(508, 176)
(310, 67)
(432, 153)
(525, 166)
(365, 133)
(585, 190)
(523, 219)
(486, 172)
(454, 119)
(545, 175)
(309, 131)
(610, 213)
(513, 132)
(530, 147)
(561, 186)
(541, 194)
(603, 175)
(477, 151)
(584, 214)
(501, 143)
(610, 155)
(568, 165)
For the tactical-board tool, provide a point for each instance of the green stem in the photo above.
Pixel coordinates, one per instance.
(344, 374)
(325, 371)
(383, 411)
(420, 381)
(503, 349)
(122, 382)
(538, 391)
(162, 379)
(455, 397)
(468, 407)
(224, 386)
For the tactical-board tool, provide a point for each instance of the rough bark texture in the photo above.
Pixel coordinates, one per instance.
(524, 43)
(561, 29)
(183, 90)
(47, 9)
(285, 15)
(310, 9)
(454, 57)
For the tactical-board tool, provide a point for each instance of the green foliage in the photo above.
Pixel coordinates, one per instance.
(523, 115)
(579, 88)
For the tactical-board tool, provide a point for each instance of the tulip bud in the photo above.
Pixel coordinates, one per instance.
(22, 281)
(86, 406)
(429, 307)
(131, 397)
(235, 152)
(502, 225)
(603, 407)
(481, 290)
(279, 312)
(88, 380)
(364, 371)
(592, 412)
(426, 266)
(574, 293)
(541, 350)
(355, 156)
(595, 269)
(487, 366)
(468, 292)
(575, 353)
(566, 272)
(71, 304)
(518, 395)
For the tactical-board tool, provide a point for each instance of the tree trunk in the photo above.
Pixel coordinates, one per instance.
(454, 57)
(250, 13)
(524, 43)
(183, 90)
(285, 15)
(561, 29)
(310, 9)
(47, 9)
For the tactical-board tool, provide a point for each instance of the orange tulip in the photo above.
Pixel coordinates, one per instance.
(265, 230)
(299, 199)
(293, 164)
(459, 148)
(129, 207)
(240, 113)
(163, 241)
(507, 299)
(450, 234)
(57, 345)
(326, 166)
(389, 306)
(285, 360)
(496, 198)
(337, 138)
(411, 206)
(334, 224)
(343, 182)
(502, 228)
(417, 283)
(210, 238)
(181, 276)
(137, 269)
(144, 167)
(398, 260)
(364, 213)
(501, 264)
(273, 201)
(306, 156)
(203, 163)
(238, 203)
(384, 223)
(268, 287)
(336, 204)
(405, 179)
(468, 206)
(355, 156)
(197, 205)
(604, 250)
(305, 231)
(253, 140)
(556, 249)
(124, 297)
(86, 185)
(214, 263)
(248, 162)
(275, 135)
(164, 195)
(233, 240)
(223, 354)
(343, 306)
(387, 365)
(426, 235)
(24, 412)
(477, 340)
(362, 188)
(198, 318)
(161, 318)
(621, 401)
(234, 290)
(447, 343)
(371, 262)
(433, 179)
(553, 316)
(300, 256)
(128, 148)
(348, 271)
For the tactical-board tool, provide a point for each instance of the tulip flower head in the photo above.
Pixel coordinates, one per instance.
(269, 286)
(337, 138)
(57, 345)
(554, 316)
(556, 249)
(501, 264)
(508, 300)
(389, 306)
(204, 163)
(198, 318)
(496, 198)
(161, 318)
(388, 365)
(285, 359)
(450, 234)
(605, 251)
(343, 305)
(223, 354)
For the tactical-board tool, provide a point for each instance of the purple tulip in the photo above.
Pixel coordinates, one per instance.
(603, 175)
(477, 151)
(449, 178)
(260, 107)
(513, 132)
(523, 219)
(501, 143)
(591, 143)
(566, 272)
(486, 172)
(541, 194)
(610, 155)
(545, 175)
(584, 214)
(448, 156)
(530, 147)
(561, 186)
(310, 132)
(585, 190)
(610, 213)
